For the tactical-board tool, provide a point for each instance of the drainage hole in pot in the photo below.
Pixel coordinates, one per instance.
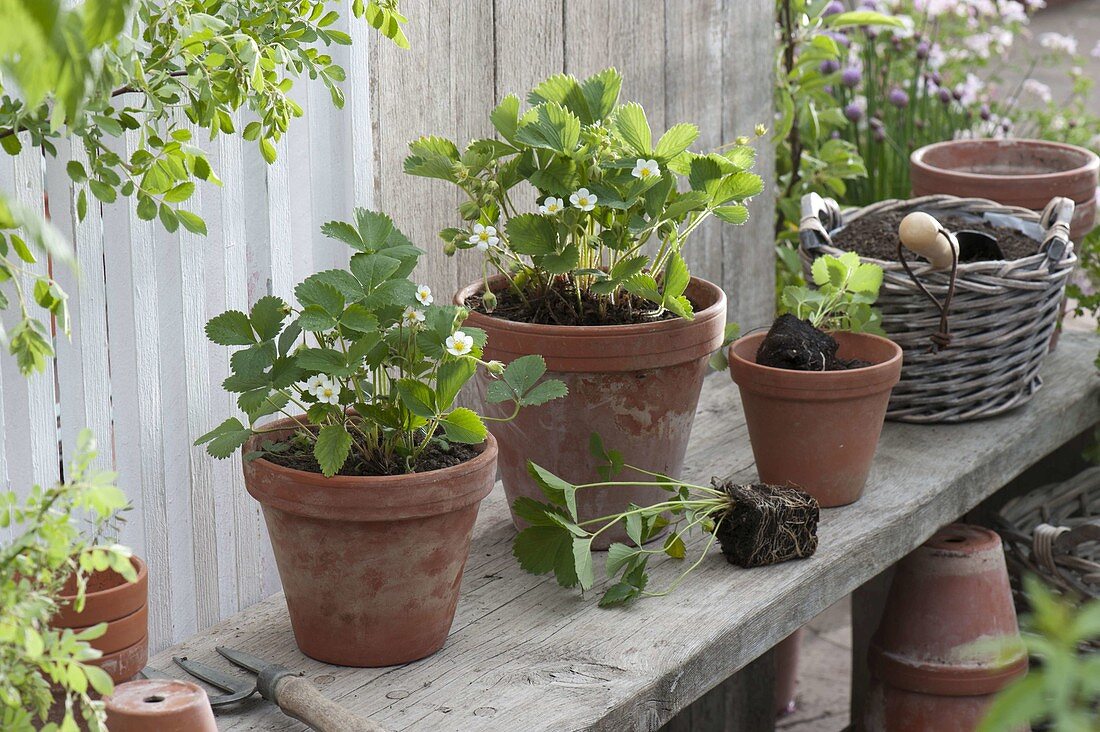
(156, 699)
(955, 540)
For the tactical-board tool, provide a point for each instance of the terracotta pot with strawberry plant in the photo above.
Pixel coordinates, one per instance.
(816, 385)
(371, 481)
(578, 215)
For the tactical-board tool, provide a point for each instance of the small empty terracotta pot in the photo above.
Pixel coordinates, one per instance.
(890, 709)
(1025, 173)
(124, 664)
(123, 605)
(949, 618)
(159, 705)
(108, 597)
(817, 430)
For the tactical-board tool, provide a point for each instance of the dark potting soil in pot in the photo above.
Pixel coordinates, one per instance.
(876, 236)
(767, 524)
(796, 345)
(559, 306)
(436, 456)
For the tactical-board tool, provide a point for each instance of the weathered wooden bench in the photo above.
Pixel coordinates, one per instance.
(526, 655)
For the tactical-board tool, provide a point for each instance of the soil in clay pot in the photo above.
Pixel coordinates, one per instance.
(876, 236)
(298, 455)
(559, 305)
(796, 345)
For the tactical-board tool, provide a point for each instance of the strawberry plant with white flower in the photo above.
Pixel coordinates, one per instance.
(628, 216)
(365, 364)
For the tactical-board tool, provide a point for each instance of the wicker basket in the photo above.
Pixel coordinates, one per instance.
(1054, 532)
(1002, 314)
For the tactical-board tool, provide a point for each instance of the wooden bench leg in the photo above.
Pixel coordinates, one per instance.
(745, 702)
(867, 604)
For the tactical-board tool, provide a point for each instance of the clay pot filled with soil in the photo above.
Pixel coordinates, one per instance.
(637, 385)
(123, 605)
(1025, 173)
(371, 565)
(814, 405)
(948, 640)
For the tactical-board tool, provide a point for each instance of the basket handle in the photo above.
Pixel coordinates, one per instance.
(1055, 220)
(819, 215)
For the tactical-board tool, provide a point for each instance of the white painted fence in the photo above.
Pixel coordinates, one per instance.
(138, 369)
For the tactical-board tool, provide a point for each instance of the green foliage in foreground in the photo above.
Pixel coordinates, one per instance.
(47, 549)
(127, 81)
(1063, 689)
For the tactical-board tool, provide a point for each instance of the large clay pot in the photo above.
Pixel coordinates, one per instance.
(123, 605)
(371, 566)
(817, 430)
(1024, 173)
(637, 386)
(163, 705)
(948, 640)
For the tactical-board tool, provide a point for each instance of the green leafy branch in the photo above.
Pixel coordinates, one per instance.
(557, 541)
(48, 549)
(846, 290)
(149, 72)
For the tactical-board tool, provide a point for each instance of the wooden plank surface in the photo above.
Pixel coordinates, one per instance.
(527, 655)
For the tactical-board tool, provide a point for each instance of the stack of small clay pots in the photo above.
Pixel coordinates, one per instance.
(948, 641)
(123, 606)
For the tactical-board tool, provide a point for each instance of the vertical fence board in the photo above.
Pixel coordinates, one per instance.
(748, 251)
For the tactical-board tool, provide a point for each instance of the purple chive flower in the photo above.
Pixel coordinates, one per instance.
(853, 112)
(851, 77)
(957, 93)
(879, 134)
(833, 8)
(945, 96)
(834, 135)
(985, 112)
(936, 78)
(829, 66)
(875, 122)
(922, 50)
(840, 37)
(898, 98)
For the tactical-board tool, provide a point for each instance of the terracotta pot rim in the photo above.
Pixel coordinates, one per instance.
(142, 575)
(944, 679)
(608, 348)
(366, 498)
(715, 309)
(879, 373)
(1090, 160)
(486, 454)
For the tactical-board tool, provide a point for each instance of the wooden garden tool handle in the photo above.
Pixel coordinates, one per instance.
(301, 699)
(923, 235)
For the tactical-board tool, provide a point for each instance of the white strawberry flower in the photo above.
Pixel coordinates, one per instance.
(583, 200)
(645, 169)
(551, 205)
(483, 237)
(459, 344)
(329, 393)
(411, 317)
(315, 383)
(424, 295)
